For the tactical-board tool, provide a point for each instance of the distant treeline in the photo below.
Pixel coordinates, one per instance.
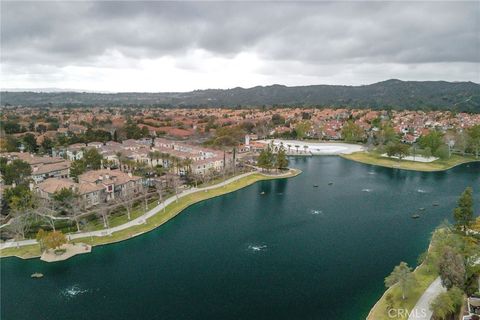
(390, 94)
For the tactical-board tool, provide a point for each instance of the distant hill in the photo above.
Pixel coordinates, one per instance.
(395, 94)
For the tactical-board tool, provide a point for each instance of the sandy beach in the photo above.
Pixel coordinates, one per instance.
(315, 148)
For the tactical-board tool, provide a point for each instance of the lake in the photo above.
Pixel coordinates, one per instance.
(295, 252)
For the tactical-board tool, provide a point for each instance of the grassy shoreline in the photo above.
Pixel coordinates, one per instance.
(425, 275)
(424, 278)
(172, 210)
(437, 165)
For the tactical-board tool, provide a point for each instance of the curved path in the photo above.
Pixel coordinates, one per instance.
(421, 311)
(137, 221)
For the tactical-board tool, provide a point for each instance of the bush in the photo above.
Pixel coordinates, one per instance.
(442, 152)
(59, 252)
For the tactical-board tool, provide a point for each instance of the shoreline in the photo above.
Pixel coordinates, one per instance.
(155, 219)
(315, 148)
(418, 269)
(375, 160)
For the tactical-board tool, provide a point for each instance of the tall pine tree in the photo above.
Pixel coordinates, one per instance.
(463, 213)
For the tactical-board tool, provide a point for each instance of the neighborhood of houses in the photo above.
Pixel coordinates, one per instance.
(51, 174)
(200, 142)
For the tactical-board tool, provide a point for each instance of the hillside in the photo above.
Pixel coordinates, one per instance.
(397, 94)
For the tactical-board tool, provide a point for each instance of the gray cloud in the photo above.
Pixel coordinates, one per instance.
(59, 34)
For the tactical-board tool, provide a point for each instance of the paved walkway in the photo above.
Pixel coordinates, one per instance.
(137, 221)
(421, 311)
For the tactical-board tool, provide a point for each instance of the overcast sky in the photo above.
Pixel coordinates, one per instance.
(181, 46)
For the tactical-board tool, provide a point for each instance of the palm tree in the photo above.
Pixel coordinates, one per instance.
(187, 163)
(119, 158)
(150, 157)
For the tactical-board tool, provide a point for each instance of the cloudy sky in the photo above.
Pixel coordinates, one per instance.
(181, 46)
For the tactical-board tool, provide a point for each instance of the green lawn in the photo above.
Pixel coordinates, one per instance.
(437, 165)
(425, 274)
(424, 279)
(171, 211)
(25, 252)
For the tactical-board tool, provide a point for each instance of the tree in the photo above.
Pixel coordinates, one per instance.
(442, 306)
(281, 159)
(63, 199)
(20, 222)
(398, 149)
(427, 152)
(144, 190)
(47, 145)
(54, 240)
(126, 201)
(18, 172)
(452, 268)
(463, 213)
(76, 210)
(41, 128)
(446, 303)
(132, 131)
(20, 197)
(30, 143)
(40, 237)
(352, 132)
(228, 136)
(265, 159)
(432, 140)
(386, 134)
(302, 128)
(154, 155)
(103, 211)
(8, 143)
(401, 274)
(461, 141)
(48, 212)
(425, 258)
(77, 167)
(92, 159)
(443, 152)
(277, 119)
(474, 139)
(159, 189)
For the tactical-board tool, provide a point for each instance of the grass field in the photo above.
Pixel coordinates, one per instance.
(155, 221)
(437, 165)
(424, 276)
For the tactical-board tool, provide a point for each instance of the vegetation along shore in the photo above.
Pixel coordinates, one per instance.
(452, 259)
(162, 215)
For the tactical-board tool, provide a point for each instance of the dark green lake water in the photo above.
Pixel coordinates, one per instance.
(297, 252)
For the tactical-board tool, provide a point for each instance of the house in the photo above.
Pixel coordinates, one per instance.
(473, 307)
(44, 171)
(206, 166)
(95, 144)
(113, 182)
(43, 167)
(90, 193)
(75, 151)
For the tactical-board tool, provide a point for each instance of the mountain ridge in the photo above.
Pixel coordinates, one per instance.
(388, 94)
